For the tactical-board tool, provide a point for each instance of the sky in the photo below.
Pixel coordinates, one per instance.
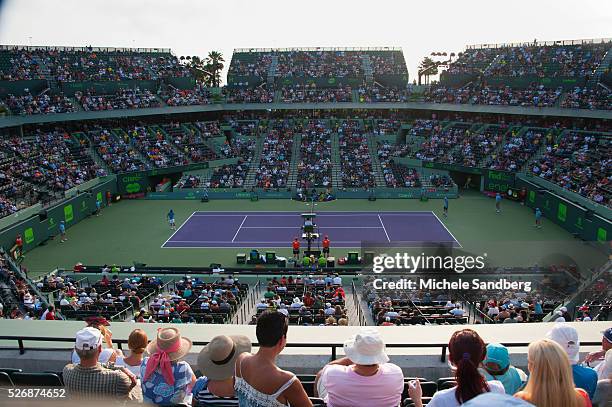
(195, 27)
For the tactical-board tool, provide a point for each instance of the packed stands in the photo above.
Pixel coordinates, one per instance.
(123, 99)
(188, 142)
(311, 94)
(584, 98)
(315, 165)
(53, 160)
(518, 148)
(20, 64)
(188, 97)
(246, 95)
(356, 164)
(579, 162)
(152, 144)
(44, 103)
(375, 93)
(77, 65)
(276, 155)
(116, 150)
(306, 301)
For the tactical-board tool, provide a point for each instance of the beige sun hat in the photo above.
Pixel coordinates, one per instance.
(217, 359)
(167, 338)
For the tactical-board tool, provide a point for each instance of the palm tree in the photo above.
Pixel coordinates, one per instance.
(427, 68)
(214, 66)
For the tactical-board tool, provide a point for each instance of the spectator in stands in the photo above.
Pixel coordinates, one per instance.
(165, 378)
(603, 394)
(364, 377)
(108, 354)
(466, 352)
(89, 379)
(567, 337)
(593, 359)
(496, 366)
(259, 382)
(550, 377)
(216, 361)
(137, 343)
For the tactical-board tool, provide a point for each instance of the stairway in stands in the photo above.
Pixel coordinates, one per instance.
(606, 63)
(336, 164)
(272, 71)
(368, 72)
(295, 159)
(376, 167)
(46, 73)
(250, 180)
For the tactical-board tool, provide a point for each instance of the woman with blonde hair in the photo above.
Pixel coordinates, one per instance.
(137, 343)
(550, 381)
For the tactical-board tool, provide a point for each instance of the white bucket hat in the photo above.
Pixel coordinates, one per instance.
(566, 336)
(366, 348)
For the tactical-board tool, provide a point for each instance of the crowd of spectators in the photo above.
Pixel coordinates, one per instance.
(536, 96)
(391, 63)
(248, 95)
(312, 94)
(244, 64)
(472, 61)
(518, 149)
(153, 145)
(377, 93)
(319, 64)
(20, 65)
(356, 167)
(396, 175)
(90, 65)
(276, 156)
(584, 98)
(117, 152)
(187, 97)
(230, 175)
(52, 159)
(315, 165)
(44, 103)
(309, 300)
(123, 99)
(579, 162)
(548, 61)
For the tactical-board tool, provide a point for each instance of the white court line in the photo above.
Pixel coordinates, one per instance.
(258, 241)
(385, 229)
(296, 214)
(179, 228)
(240, 227)
(320, 227)
(449, 232)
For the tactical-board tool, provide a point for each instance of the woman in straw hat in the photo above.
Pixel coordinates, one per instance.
(259, 382)
(216, 362)
(166, 379)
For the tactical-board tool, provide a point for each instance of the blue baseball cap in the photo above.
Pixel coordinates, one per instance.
(608, 334)
(498, 354)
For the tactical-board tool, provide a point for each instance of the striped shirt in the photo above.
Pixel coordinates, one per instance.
(96, 382)
(202, 397)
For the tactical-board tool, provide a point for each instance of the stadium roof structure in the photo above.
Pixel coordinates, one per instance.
(88, 49)
(541, 43)
(315, 49)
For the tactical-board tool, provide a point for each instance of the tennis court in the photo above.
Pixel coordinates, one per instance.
(277, 229)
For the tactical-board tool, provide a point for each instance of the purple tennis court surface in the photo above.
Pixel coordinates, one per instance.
(277, 229)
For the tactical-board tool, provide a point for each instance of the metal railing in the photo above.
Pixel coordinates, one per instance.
(542, 43)
(332, 346)
(81, 49)
(357, 304)
(315, 49)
